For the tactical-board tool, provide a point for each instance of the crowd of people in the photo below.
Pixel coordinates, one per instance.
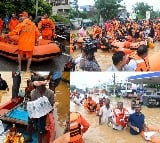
(127, 32)
(118, 117)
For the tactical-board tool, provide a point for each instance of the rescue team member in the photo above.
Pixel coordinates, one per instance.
(28, 35)
(136, 121)
(105, 112)
(119, 117)
(47, 27)
(90, 104)
(139, 61)
(13, 22)
(76, 132)
(1, 25)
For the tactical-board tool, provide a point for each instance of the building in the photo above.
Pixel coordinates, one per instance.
(60, 7)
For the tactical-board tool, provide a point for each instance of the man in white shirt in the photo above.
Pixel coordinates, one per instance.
(104, 112)
(119, 62)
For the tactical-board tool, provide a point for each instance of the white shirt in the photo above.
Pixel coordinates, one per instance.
(113, 68)
(105, 113)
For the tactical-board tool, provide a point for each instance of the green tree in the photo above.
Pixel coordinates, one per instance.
(8, 7)
(72, 87)
(140, 8)
(108, 9)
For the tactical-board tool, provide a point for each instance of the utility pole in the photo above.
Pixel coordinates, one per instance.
(36, 7)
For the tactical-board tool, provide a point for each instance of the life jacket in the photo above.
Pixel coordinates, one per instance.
(75, 127)
(46, 24)
(142, 64)
(121, 116)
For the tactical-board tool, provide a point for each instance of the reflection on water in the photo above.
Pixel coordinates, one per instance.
(62, 98)
(104, 134)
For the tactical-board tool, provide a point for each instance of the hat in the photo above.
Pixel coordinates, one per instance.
(24, 13)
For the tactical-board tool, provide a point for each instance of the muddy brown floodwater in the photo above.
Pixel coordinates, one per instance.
(104, 134)
(61, 99)
(104, 58)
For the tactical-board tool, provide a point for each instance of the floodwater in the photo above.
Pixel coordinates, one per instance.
(104, 58)
(104, 134)
(61, 109)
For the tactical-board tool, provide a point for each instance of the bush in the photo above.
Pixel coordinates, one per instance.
(60, 18)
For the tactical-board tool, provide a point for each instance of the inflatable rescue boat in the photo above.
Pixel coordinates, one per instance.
(45, 50)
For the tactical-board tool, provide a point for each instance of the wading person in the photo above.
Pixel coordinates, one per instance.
(105, 112)
(119, 117)
(136, 121)
(28, 35)
(78, 126)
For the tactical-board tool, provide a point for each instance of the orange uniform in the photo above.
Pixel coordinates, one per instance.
(90, 105)
(13, 23)
(1, 24)
(76, 121)
(142, 64)
(97, 31)
(28, 34)
(46, 26)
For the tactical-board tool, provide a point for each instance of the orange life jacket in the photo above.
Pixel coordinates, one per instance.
(121, 116)
(75, 127)
(142, 64)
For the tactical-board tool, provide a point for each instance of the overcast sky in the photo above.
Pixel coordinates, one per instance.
(128, 3)
(83, 79)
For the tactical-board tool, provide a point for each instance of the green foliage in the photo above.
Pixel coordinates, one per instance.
(81, 14)
(140, 8)
(108, 9)
(8, 7)
(72, 87)
(60, 18)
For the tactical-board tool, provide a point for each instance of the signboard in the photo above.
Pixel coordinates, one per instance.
(147, 15)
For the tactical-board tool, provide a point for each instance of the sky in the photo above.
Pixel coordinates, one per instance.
(89, 79)
(128, 3)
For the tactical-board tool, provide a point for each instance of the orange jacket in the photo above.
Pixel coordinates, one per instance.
(13, 23)
(142, 64)
(76, 121)
(89, 105)
(121, 116)
(46, 24)
(28, 33)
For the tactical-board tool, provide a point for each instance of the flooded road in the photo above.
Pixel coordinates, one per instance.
(104, 58)
(104, 134)
(61, 99)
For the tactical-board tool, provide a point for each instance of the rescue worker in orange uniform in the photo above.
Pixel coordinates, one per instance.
(76, 130)
(47, 27)
(96, 30)
(28, 34)
(119, 117)
(90, 104)
(1, 25)
(139, 61)
(13, 22)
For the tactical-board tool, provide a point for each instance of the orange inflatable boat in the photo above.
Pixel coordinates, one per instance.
(45, 50)
(152, 134)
